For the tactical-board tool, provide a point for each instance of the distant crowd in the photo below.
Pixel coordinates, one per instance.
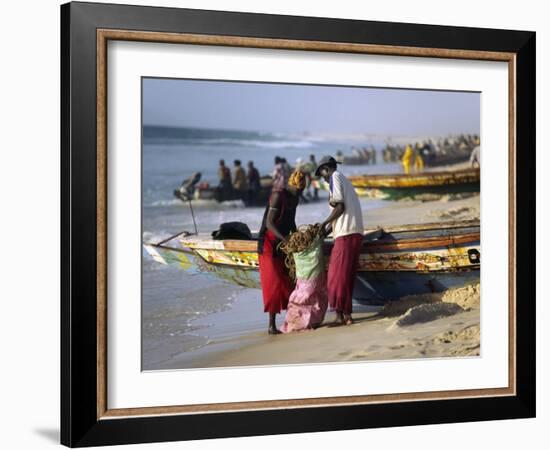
(359, 155)
(248, 183)
(414, 156)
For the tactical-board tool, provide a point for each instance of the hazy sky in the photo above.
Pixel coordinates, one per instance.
(297, 108)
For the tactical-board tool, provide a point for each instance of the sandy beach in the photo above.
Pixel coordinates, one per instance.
(181, 333)
(426, 326)
(434, 325)
(433, 209)
(206, 317)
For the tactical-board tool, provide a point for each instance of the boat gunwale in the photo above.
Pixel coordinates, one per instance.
(413, 181)
(433, 174)
(468, 268)
(250, 246)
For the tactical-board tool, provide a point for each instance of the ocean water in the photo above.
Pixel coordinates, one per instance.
(176, 306)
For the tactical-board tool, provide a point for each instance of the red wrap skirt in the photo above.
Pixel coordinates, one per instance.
(276, 284)
(342, 269)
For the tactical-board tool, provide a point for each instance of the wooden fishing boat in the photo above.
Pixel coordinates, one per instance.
(206, 192)
(394, 262)
(400, 185)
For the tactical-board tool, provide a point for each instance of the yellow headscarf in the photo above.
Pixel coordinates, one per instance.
(297, 180)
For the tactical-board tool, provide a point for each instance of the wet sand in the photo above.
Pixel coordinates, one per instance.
(441, 325)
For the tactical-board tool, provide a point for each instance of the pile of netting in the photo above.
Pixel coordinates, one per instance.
(300, 241)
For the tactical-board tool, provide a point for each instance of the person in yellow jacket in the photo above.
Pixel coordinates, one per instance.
(240, 183)
(407, 159)
(418, 161)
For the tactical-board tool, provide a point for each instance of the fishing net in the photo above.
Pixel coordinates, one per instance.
(303, 250)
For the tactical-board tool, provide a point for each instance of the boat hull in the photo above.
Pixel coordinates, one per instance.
(387, 193)
(210, 193)
(378, 288)
(400, 185)
(389, 268)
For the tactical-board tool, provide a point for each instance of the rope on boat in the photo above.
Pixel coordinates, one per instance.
(186, 233)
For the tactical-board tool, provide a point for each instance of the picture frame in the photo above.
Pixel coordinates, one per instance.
(86, 418)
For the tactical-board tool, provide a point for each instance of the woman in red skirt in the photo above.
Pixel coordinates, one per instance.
(277, 224)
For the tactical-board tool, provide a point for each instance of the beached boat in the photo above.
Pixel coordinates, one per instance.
(394, 262)
(400, 185)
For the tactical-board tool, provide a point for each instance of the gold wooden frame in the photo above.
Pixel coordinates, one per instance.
(103, 36)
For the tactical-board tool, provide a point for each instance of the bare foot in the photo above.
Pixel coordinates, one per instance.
(337, 322)
(348, 319)
(273, 330)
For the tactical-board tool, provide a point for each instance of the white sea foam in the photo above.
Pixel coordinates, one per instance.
(169, 202)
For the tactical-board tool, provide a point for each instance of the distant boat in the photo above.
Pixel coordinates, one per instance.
(400, 185)
(204, 191)
(394, 262)
(447, 156)
(359, 156)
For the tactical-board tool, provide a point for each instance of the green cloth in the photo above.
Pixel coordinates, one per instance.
(310, 263)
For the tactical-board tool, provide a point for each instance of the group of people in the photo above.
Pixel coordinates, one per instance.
(412, 158)
(244, 183)
(345, 222)
(282, 171)
(415, 156)
(247, 184)
(431, 149)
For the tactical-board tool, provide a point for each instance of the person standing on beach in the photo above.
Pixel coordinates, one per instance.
(474, 156)
(346, 224)
(239, 178)
(253, 182)
(286, 170)
(311, 167)
(407, 159)
(418, 161)
(278, 176)
(224, 175)
(278, 222)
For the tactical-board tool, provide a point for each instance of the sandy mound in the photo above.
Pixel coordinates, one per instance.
(401, 306)
(422, 308)
(466, 297)
(427, 313)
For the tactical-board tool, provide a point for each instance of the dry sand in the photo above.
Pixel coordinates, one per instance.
(423, 326)
(444, 209)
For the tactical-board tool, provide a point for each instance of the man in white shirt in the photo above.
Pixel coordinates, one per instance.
(474, 156)
(346, 224)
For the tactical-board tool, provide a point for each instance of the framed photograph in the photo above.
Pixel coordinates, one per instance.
(277, 224)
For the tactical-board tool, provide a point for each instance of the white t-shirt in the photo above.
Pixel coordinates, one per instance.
(342, 191)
